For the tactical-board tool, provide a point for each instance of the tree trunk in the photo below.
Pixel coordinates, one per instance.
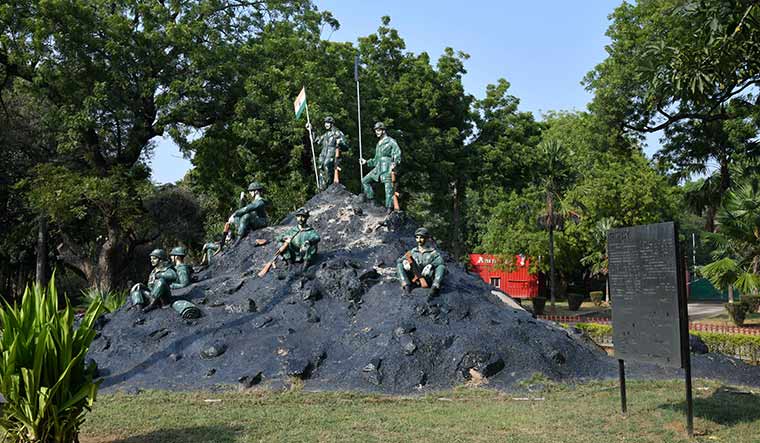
(552, 271)
(106, 269)
(42, 251)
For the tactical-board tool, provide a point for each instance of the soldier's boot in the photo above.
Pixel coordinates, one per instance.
(368, 193)
(389, 197)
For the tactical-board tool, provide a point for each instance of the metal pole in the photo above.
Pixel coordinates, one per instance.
(694, 253)
(311, 140)
(623, 402)
(359, 114)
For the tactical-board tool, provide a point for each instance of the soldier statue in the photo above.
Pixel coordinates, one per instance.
(184, 270)
(421, 265)
(332, 143)
(251, 216)
(158, 292)
(301, 241)
(387, 157)
(210, 249)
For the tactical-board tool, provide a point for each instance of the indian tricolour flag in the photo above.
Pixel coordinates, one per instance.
(300, 104)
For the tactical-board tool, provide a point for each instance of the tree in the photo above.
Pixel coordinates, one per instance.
(677, 60)
(114, 75)
(737, 254)
(558, 174)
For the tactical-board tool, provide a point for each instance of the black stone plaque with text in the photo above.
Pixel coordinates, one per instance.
(647, 307)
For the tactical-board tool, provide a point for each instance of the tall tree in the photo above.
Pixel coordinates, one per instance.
(116, 74)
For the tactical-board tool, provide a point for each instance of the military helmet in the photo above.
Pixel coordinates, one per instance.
(302, 211)
(160, 253)
(422, 232)
(380, 125)
(329, 120)
(255, 186)
(179, 251)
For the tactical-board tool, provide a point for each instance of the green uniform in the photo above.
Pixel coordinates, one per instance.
(433, 274)
(329, 141)
(209, 249)
(184, 274)
(387, 154)
(250, 217)
(158, 287)
(303, 244)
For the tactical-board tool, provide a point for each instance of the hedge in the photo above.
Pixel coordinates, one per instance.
(746, 347)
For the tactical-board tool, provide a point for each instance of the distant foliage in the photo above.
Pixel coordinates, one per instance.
(43, 378)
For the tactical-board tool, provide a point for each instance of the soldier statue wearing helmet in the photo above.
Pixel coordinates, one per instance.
(158, 291)
(251, 216)
(387, 158)
(303, 240)
(422, 266)
(332, 143)
(184, 270)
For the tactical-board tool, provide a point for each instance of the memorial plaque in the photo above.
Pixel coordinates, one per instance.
(645, 285)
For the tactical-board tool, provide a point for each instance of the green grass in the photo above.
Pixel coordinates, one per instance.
(562, 413)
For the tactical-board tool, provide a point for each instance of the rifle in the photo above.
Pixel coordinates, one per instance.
(417, 277)
(336, 173)
(225, 232)
(270, 263)
(396, 205)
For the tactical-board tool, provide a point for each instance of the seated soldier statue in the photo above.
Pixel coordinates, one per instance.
(157, 292)
(210, 250)
(251, 216)
(421, 265)
(301, 241)
(184, 271)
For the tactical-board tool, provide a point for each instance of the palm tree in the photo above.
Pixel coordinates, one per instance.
(737, 255)
(558, 173)
(598, 259)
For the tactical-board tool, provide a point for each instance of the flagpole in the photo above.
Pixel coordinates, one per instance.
(359, 114)
(311, 140)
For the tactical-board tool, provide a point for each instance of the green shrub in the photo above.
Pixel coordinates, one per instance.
(43, 377)
(111, 300)
(752, 301)
(744, 346)
(597, 297)
(737, 311)
(597, 332)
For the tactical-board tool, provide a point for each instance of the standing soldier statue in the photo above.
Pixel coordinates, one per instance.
(332, 142)
(251, 216)
(422, 266)
(157, 292)
(387, 157)
(184, 270)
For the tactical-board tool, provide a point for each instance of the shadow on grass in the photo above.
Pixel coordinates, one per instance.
(726, 406)
(198, 434)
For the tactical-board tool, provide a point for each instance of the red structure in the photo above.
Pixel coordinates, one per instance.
(518, 283)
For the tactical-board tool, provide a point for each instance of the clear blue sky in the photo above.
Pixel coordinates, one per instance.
(543, 48)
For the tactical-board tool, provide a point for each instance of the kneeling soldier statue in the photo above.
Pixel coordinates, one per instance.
(184, 271)
(421, 265)
(157, 292)
(301, 241)
(251, 216)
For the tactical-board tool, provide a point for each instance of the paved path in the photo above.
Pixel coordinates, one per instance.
(699, 311)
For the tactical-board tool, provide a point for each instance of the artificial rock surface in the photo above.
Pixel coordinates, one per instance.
(344, 324)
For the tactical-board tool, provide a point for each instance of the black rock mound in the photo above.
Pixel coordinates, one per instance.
(344, 323)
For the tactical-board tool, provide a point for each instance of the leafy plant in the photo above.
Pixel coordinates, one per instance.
(43, 377)
(597, 297)
(737, 311)
(111, 300)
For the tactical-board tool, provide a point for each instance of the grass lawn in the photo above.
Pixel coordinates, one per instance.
(586, 413)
